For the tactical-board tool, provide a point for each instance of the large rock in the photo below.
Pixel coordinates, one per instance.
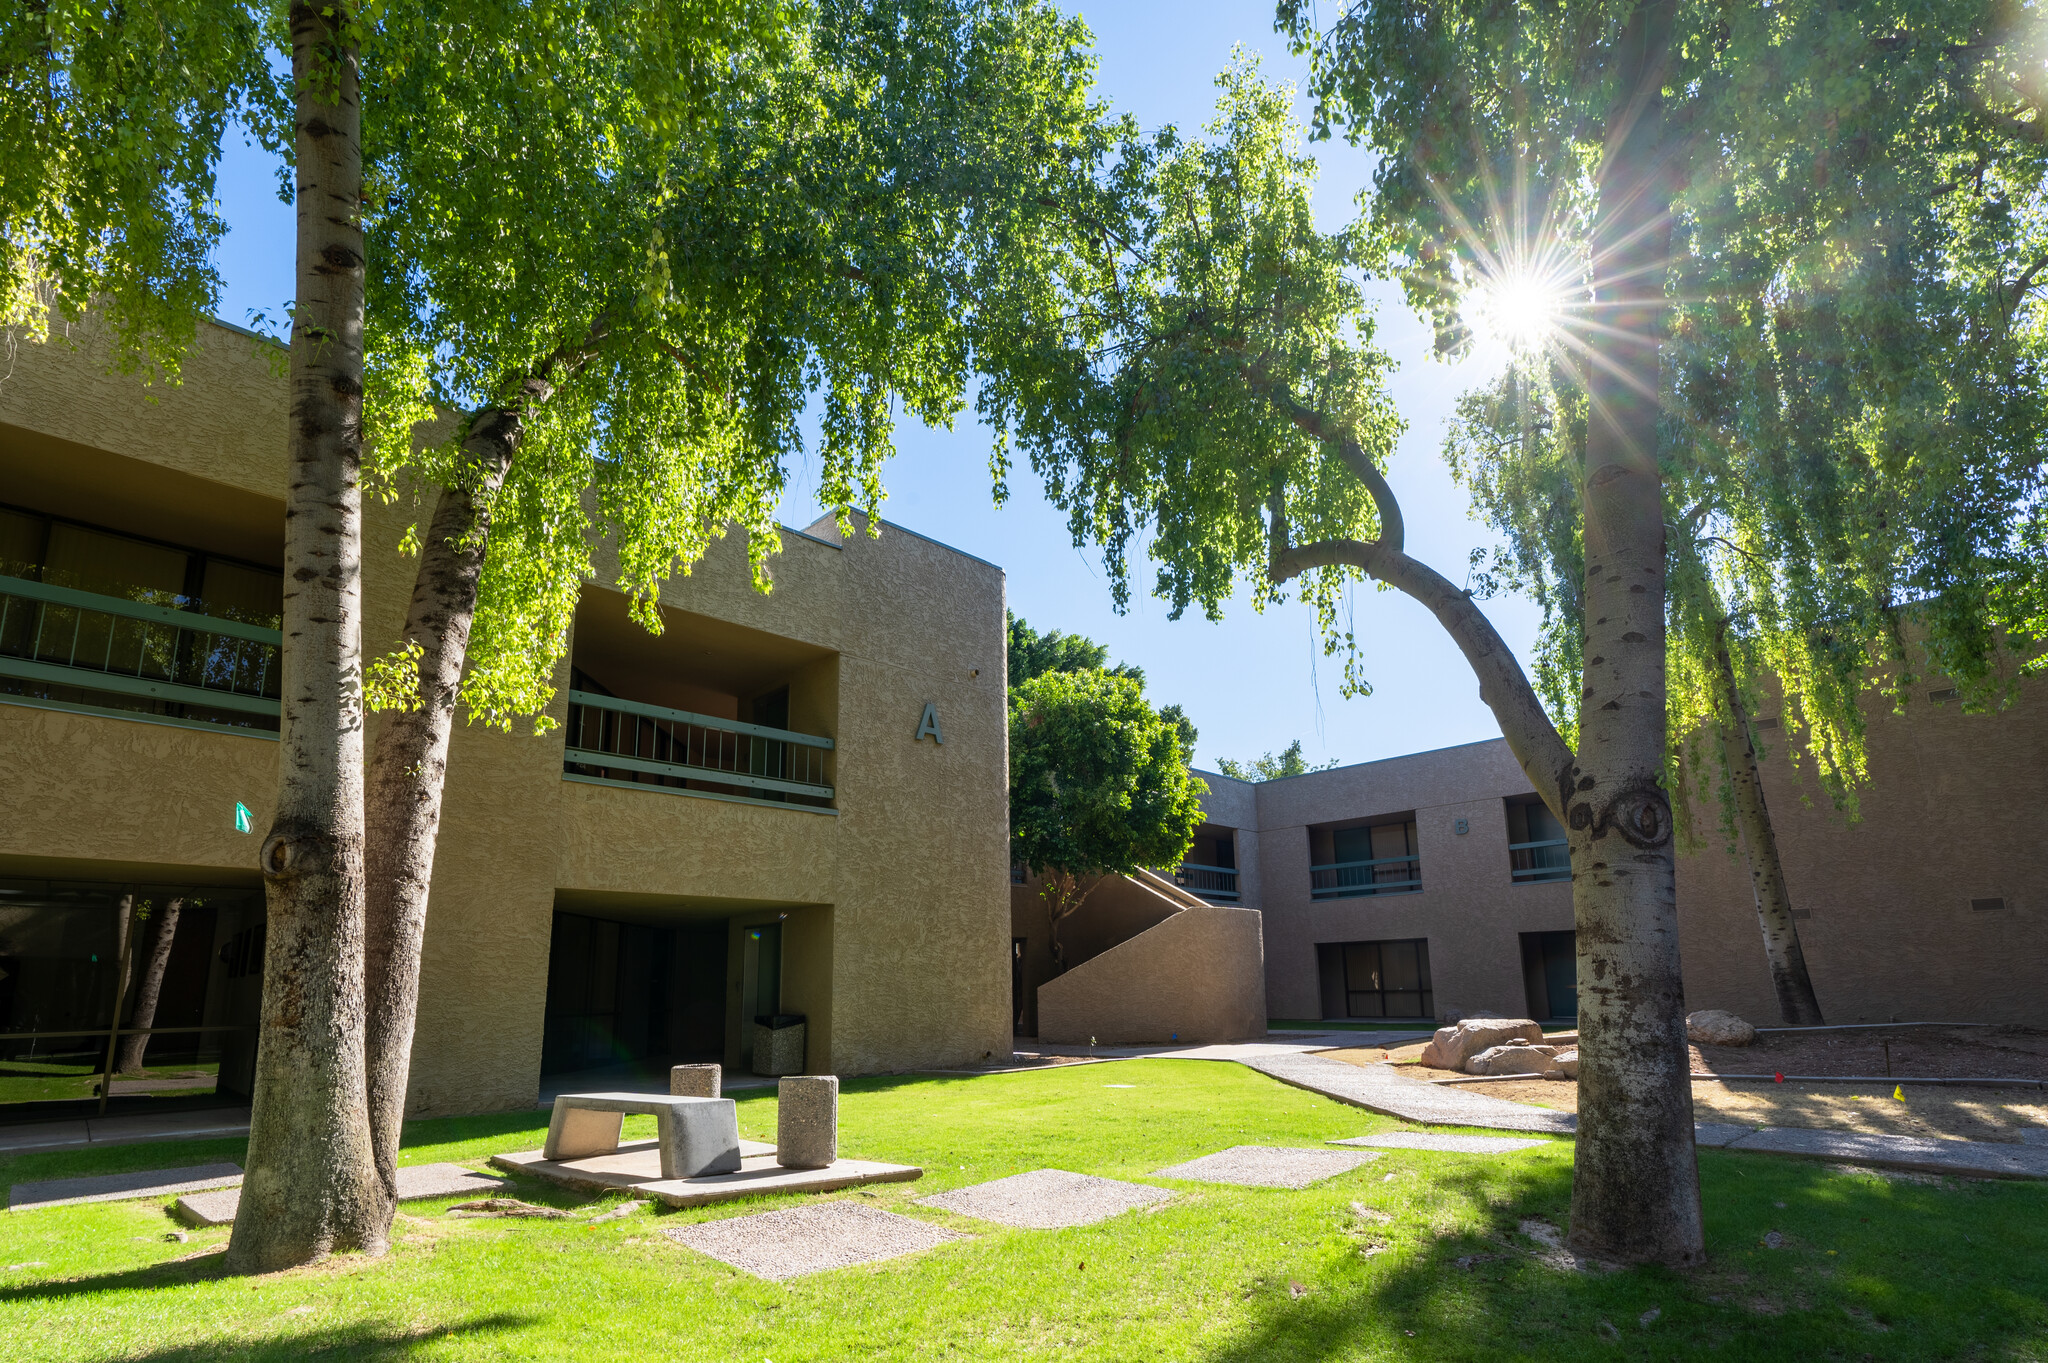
(1453, 1046)
(1712, 1027)
(1514, 1060)
(1568, 1063)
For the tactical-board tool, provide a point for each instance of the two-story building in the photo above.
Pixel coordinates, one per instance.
(789, 803)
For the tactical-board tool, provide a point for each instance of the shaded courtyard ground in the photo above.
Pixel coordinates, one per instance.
(1976, 1113)
(1416, 1255)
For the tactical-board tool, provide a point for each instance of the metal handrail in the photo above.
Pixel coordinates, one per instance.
(227, 664)
(682, 745)
(1536, 870)
(1219, 882)
(1336, 887)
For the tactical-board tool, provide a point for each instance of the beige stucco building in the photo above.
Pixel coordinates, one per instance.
(1435, 884)
(786, 804)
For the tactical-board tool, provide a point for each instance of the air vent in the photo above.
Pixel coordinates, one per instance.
(1938, 697)
(1987, 905)
(1767, 724)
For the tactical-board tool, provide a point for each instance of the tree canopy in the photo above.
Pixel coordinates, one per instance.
(1272, 766)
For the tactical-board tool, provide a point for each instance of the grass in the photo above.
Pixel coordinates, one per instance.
(1431, 1269)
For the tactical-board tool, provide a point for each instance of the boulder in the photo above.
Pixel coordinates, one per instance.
(1712, 1027)
(1453, 1046)
(1568, 1063)
(1514, 1060)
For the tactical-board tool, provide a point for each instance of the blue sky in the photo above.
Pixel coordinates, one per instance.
(1251, 683)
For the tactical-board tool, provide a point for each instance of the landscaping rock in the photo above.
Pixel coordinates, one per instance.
(509, 1206)
(1712, 1027)
(1453, 1046)
(1568, 1063)
(1514, 1060)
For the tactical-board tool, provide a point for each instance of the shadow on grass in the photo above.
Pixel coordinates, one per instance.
(365, 1341)
(1864, 1268)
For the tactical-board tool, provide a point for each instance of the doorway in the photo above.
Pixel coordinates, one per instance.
(760, 982)
(633, 994)
(1376, 979)
(1550, 972)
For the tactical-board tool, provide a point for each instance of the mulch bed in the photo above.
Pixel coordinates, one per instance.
(2004, 1052)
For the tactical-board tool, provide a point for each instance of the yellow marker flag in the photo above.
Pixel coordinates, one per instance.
(1899, 1092)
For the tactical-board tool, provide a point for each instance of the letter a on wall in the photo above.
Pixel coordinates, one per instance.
(928, 725)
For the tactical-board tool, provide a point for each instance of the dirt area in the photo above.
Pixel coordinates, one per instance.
(1976, 1114)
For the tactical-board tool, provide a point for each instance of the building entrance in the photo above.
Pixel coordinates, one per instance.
(621, 993)
(1376, 979)
(1550, 972)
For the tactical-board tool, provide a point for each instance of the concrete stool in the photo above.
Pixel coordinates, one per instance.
(693, 1081)
(807, 1121)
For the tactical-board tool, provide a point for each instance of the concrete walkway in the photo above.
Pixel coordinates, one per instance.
(197, 1124)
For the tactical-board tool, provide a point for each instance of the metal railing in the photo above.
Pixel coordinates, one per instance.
(1381, 875)
(60, 636)
(1210, 882)
(618, 739)
(1537, 861)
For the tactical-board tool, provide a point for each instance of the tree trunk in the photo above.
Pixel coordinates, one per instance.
(1635, 1185)
(150, 988)
(1796, 1002)
(310, 1186)
(408, 771)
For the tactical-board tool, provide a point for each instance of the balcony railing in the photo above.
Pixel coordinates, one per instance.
(1381, 875)
(1536, 861)
(1210, 882)
(613, 739)
(59, 636)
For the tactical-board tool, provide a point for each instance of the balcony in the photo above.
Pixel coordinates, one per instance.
(1532, 862)
(84, 651)
(1210, 882)
(1351, 879)
(612, 739)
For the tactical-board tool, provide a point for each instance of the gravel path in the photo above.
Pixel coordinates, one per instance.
(812, 1239)
(1046, 1199)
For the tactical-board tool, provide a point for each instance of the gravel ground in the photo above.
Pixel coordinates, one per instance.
(1046, 1199)
(810, 1239)
(1431, 1140)
(1264, 1166)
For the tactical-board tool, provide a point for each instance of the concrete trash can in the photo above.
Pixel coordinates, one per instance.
(779, 1045)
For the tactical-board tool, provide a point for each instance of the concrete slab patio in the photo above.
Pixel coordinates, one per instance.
(1046, 1199)
(813, 1239)
(636, 1168)
(1266, 1166)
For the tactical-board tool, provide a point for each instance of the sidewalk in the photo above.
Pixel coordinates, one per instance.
(202, 1124)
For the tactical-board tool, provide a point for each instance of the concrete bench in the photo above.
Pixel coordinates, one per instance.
(697, 1136)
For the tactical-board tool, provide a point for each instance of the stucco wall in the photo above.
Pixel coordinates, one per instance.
(1956, 809)
(1469, 908)
(1196, 975)
(897, 907)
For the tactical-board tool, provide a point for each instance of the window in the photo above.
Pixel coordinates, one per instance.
(1550, 974)
(1368, 858)
(1376, 979)
(1537, 849)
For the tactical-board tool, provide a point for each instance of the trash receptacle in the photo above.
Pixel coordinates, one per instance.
(779, 1044)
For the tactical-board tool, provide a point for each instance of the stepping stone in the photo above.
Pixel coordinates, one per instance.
(1046, 1199)
(1260, 1166)
(65, 1192)
(415, 1182)
(825, 1235)
(1457, 1145)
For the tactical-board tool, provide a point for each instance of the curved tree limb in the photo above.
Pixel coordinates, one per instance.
(1503, 686)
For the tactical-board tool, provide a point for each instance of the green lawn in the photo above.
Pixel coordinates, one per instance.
(1869, 1267)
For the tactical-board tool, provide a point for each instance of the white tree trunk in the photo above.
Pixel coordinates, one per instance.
(310, 1188)
(1635, 1185)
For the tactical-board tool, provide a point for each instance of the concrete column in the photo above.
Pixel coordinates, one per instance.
(807, 1121)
